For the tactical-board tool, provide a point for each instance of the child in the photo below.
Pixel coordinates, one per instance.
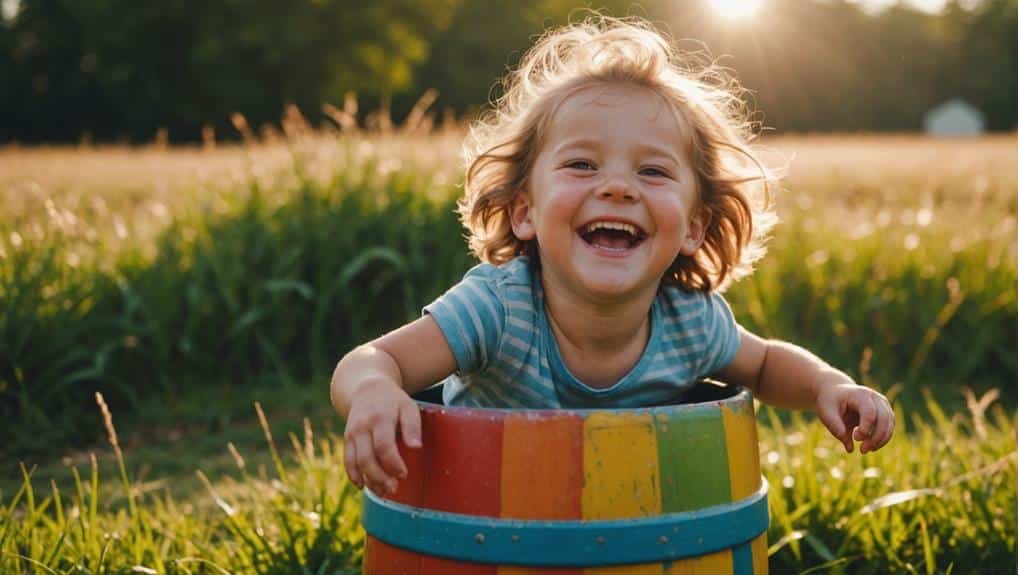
(610, 197)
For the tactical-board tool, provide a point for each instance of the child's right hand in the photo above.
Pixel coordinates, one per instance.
(370, 454)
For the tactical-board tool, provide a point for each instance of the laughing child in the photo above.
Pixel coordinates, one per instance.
(611, 195)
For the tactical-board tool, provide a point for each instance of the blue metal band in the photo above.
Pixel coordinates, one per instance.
(742, 560)
(566, 543)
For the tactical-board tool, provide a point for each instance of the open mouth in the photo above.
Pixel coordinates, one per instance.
(612, 236)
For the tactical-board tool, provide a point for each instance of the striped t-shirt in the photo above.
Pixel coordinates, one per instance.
(506, 355)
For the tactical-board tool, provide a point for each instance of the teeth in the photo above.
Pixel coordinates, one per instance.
(629, 228)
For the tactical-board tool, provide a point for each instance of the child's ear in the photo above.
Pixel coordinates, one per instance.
(519, 216)
(696, 233)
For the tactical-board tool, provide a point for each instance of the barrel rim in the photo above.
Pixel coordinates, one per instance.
(741, 397)
(560, 543)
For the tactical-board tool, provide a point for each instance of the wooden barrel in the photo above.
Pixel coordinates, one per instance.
(672, 489)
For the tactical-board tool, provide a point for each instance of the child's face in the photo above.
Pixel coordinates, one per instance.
(613, 154)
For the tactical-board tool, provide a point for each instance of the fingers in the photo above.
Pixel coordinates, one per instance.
(350, 463)
(891, 420)
(371, 454)
(410, 424)
(364, 470)
(383, 439)
(867, 411)
(884, 426)
(830, 415)
(375, 477)
(874, 416)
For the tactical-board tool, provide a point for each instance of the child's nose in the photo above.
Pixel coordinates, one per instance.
(618, 188)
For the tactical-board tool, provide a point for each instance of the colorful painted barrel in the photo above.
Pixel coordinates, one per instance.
(672, 489)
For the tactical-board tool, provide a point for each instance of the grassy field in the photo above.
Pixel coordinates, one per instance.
(185, 284)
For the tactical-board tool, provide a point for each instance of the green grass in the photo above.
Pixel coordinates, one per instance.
(264, 519)
(938, 499)
(166, 442)
(264, 284)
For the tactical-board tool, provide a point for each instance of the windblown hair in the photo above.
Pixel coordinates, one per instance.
(733, 185)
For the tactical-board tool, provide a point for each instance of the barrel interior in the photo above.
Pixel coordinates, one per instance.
(702, 392)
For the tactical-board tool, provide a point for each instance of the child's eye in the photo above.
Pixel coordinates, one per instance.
(580, 165)
(654, 172)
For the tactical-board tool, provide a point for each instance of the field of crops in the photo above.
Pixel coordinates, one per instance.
(154, 275)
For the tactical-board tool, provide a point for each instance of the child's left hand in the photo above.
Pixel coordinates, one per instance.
(852, 411)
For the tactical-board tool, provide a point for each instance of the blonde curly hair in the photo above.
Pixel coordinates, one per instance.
(732, 183)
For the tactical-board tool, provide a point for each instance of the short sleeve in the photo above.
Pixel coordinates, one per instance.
(471, 316)
(722, 335)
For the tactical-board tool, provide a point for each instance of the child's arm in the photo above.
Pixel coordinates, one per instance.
(785, 375)
(371, 389)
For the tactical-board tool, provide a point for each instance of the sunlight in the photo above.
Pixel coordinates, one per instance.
(736, 9)
(9, 9)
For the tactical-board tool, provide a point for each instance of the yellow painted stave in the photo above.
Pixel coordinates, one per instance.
(719, 563)
(621, 478)
(759, 546)
(743, 450)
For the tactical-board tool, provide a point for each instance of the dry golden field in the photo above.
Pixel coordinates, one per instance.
(59, 171)
(131, 193)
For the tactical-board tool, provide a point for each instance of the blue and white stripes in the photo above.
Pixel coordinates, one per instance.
(507, 356)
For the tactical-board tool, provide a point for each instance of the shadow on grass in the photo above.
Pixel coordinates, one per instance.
(165, 441)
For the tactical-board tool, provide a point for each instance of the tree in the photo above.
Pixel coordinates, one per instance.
(125, 68)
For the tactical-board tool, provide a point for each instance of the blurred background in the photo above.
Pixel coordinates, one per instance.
(121, 70)
(205, 204)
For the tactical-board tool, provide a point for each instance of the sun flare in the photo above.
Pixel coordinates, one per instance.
(736, 9)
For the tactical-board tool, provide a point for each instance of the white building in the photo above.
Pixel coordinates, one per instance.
(954, 118)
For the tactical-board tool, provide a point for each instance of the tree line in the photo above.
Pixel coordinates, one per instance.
(121, 70)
